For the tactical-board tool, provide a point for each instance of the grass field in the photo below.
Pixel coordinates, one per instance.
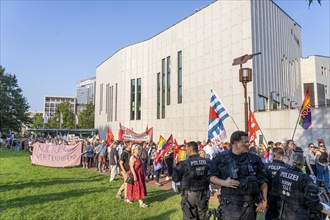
(36, 192)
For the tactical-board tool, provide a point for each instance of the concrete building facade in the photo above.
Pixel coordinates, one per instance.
(51, 102)
(315, 74)
(164, 82)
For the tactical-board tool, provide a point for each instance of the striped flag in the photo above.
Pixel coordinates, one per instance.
(217, 115)
(306, 112)
(77, 119)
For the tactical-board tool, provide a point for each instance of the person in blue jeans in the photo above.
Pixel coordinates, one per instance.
(322, 163)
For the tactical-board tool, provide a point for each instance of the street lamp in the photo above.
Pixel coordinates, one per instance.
(291, 105)
(245, 76)
(282, 101)
(272, 99)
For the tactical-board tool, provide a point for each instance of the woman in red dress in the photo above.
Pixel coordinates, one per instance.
(137, 190)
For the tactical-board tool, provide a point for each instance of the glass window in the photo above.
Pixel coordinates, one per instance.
(132, 99)
(158, 95)
(168, 80)
(180, 77)
(116, 103)
(101, 98)
(262, 101)
(138, 99)
(163, 88)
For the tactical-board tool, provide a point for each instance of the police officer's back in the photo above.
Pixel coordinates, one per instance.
(242, 178)
(193, 176)
(298, 191)
(271, 170)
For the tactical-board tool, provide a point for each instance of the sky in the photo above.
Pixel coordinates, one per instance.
(51, 45)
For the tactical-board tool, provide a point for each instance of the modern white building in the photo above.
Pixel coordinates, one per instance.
(315, 74)
(85, 93)
(51, 102)
(164, 82)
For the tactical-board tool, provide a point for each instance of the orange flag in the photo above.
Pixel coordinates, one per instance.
(253, 127)
(110, 137)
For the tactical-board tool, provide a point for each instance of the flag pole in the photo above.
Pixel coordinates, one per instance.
(296, 123)
(234, 122)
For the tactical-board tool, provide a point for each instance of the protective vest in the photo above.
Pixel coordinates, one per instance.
(243, 171)
(196, 177)
(290, 187)
(271, 170)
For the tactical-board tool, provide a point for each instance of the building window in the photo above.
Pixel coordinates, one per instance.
(262, 103)
(116, 103)
(101, 98)
(168, 80)
(132, 99)
(275, 105)
(163, 88)
(107, 101)
(311, 92)
(138, 99)
(158, 95)
(180, 77)
(111, 103)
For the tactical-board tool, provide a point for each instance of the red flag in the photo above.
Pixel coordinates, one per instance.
(110, 137)
(147, 129)
(184, 142)
(253, 127)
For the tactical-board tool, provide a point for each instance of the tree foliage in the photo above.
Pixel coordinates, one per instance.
(37, 121)
(86, 117)
(311, 1)
(68, 117)
(13, 105)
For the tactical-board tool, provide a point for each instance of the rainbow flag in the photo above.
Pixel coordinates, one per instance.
(306, 112)
(182, 155)
(161, 141)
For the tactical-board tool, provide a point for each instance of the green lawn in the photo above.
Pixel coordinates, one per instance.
(36, 192)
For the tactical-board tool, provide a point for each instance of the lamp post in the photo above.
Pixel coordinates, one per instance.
(245, 76)
(291, 105)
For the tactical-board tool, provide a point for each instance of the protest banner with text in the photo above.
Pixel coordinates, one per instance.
(56, 155)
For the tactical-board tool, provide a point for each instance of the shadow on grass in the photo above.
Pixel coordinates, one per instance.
(45, 198)
(46, 182)
(159, 195)
(5, 153)
(163, 215)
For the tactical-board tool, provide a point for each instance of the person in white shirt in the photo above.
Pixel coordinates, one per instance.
(209, 150)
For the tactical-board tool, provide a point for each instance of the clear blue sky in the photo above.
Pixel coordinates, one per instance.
(51, 45)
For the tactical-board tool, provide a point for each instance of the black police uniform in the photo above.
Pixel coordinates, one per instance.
(274, 201)
(299, 194)
(248, 169)
(195, 194)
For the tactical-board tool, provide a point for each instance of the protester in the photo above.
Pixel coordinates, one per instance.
(310, 160)
(90, 153)
(137, 190)
(85, 147)
(144, 156)
(124, 165)
(102, 157)
(113, 161)
(322, 163)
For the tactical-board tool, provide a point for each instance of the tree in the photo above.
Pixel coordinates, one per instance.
(14, 106)
(37, 121)
(86, 117)
(311, 1)
(68, 117)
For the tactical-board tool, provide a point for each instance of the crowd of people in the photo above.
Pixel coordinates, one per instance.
(249, 178)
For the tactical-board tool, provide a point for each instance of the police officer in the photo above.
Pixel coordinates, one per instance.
(193, 176)
(271, 170)
(242, 178)
(298, 192)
